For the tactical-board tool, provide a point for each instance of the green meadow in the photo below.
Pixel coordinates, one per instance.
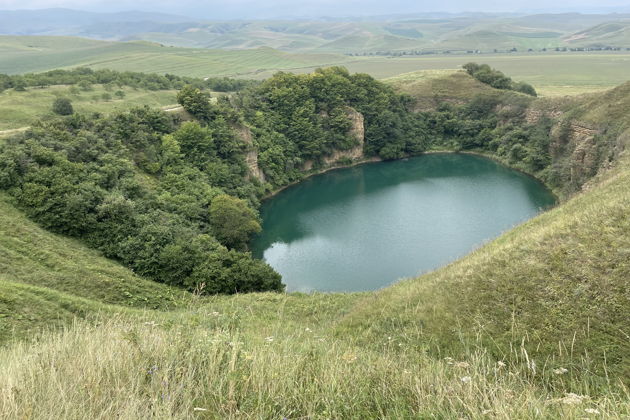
(19, 109)
(553, 74)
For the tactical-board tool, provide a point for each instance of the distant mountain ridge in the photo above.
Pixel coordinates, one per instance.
(411, 34)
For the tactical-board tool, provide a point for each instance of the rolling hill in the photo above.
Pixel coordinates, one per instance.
(380, 34)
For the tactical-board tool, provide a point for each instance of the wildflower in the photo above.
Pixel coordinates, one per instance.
(200, 409)
(573, 399)
(152, 370)
(448, 360)
(269, 339)
(560, 371)
(462, 365)
(308, 329)
(500, 364)
(349, 357)
(591, 410)
(215, 313)
(151, 324)
(466, 379)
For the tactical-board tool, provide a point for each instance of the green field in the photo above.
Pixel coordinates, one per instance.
(553, 74)
(19, 109)
(35, 54)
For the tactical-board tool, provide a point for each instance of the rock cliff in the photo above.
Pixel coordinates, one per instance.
(357, 131)
(251, 156)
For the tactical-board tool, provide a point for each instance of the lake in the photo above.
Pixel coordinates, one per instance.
(364, 227)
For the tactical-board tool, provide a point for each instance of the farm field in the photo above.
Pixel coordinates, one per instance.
(36, 54)
(553, 74)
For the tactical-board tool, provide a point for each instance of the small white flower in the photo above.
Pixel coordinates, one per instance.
(500, 364)
(573, 399)
(462, 365)
(591, 410)
(215, 313)
(269, 339)
(560, 371)
(200, 409)
(466, 379)
(308, 329)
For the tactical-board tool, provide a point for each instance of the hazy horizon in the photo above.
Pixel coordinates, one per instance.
(249, 9)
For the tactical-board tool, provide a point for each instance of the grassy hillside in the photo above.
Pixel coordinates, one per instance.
(47, 279)
(19, 109)
(431, 87)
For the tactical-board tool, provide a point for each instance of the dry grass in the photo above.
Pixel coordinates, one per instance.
(135, 369)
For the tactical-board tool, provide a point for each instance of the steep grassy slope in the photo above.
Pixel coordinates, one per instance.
(47, 279)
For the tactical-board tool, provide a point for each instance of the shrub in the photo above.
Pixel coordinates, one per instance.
(62, 106)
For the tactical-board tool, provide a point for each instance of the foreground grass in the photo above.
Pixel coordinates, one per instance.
(20, 109)
(210, 368)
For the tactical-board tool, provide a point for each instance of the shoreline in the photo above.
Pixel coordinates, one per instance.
(376, 159)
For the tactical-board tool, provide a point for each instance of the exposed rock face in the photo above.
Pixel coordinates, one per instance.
(574, 142)
(357, 131)
(251, 157)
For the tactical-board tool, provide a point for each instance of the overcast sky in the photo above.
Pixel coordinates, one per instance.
(272, 8)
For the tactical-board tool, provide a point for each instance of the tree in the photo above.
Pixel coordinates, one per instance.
(525, 88)
(194, 101)
(85, 85)
(19, 85)
(233, 221)
(119, 94)
(62, 106)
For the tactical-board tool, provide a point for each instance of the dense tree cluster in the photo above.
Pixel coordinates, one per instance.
(146, 191)
(485, 74)
(84, 77)
(300, 118)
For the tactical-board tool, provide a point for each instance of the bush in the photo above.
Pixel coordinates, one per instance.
(62, 106)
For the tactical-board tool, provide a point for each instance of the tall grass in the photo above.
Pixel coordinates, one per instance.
(138, 369)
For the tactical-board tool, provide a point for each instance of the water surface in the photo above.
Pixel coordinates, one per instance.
(363, 228)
